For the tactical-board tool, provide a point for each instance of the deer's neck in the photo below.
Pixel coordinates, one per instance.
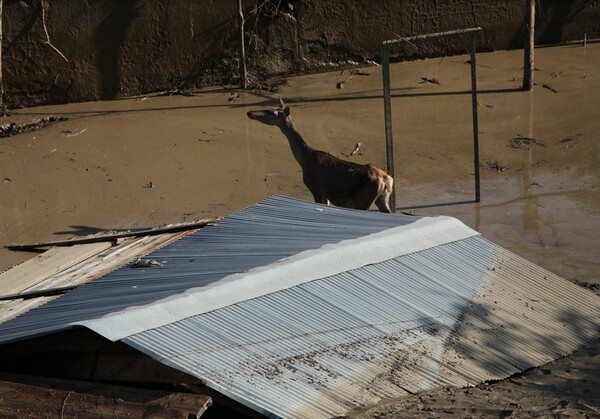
(300, 149)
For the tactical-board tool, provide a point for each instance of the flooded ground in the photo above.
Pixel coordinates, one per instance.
(150, 161)
(544, 217)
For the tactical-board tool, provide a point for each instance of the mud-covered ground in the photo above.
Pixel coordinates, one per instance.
(150, 161)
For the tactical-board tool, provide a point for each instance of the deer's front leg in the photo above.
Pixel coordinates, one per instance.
(319, 198)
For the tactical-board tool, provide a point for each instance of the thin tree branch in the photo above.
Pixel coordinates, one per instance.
(47, 34)
(243, 72)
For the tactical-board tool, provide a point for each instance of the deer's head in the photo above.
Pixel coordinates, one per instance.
(277, 116)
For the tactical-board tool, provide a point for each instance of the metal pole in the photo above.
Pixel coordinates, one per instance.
(388, 106)
(431, 35)
(528, 66)
(387, 111)
(475, 118)
(1, 80)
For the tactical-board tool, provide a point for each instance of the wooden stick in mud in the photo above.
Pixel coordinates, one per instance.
(173, 228)
(243, 74)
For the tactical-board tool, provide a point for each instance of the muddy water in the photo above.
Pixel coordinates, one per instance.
(205, 158)
(545, 218)
(542, 202)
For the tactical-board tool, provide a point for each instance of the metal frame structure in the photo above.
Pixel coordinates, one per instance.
(387, 100)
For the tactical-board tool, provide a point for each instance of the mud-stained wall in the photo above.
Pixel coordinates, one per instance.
(341, 29)
(116, 48)
(112, 48)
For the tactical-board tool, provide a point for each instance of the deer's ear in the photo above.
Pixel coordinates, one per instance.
(286, 111)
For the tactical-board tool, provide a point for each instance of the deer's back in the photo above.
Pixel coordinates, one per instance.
(343, 182)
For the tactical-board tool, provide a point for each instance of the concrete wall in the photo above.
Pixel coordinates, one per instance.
(119, 48)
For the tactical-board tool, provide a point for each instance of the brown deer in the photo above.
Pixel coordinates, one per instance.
(328, 178)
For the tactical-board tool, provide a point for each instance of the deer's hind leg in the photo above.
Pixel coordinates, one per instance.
(383, 201)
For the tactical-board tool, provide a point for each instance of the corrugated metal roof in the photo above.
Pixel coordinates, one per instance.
(456, 311)
(456, 314)
(86, 271)
(306, 266)
(261, 234)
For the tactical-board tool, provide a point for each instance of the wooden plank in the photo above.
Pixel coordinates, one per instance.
(95, 238)
(87, 363)
(190, 401)
(45, 265)
(93, 268)
(48, 397)
(26, 295)
(80, 354)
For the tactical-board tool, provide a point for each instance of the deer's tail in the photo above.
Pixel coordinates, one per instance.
(386, 183)
(389, 183)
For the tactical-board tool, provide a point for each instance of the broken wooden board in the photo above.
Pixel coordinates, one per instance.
(92, 268)
(80, 354)
(95, 238)
(45, 265)
(31, 396)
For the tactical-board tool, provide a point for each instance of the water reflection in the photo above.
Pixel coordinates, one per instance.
(516, 214)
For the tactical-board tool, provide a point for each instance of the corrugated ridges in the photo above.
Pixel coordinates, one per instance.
(329, 345)
(456, 314)
(275, 228)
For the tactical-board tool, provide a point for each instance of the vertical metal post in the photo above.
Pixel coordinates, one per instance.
(1, 80)
(528, 65)
(387, 111)
(475, 118)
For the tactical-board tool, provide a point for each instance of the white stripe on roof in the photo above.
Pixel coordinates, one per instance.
(310, 265)
(454, 315)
